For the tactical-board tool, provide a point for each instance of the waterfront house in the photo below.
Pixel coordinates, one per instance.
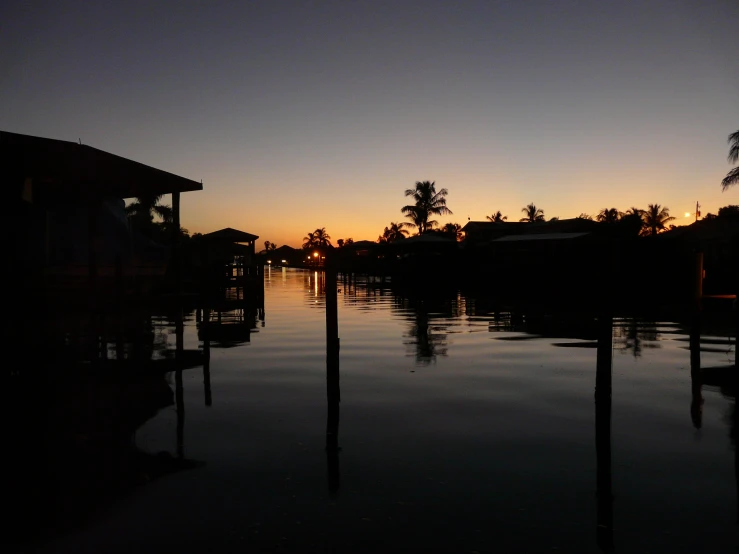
(68, 205)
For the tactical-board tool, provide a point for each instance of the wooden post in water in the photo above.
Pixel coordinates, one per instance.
(206, 368)
(696, 376)
(698, 280)
(333, 392)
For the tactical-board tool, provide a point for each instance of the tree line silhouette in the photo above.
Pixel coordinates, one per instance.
(428, 202)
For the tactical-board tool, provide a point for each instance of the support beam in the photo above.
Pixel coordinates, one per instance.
(92, 259)
(176, 257)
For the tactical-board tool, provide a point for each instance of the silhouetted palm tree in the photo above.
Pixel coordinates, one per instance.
(453, 230)
(732, 177)
(608, 215)
(583, 215)
(317, 238)
(428, 202)
(655, 218)
(395, 231)
(144, 208)
(632, 221)
(497, 217)
(533, 214)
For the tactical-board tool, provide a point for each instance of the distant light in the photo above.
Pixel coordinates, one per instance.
(315, 254)
(284, 261)
(269, 261)
(687, 214)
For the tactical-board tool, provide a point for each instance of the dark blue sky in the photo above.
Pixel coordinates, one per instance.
(306, 114)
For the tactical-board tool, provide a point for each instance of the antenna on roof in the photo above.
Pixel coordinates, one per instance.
(79, 139)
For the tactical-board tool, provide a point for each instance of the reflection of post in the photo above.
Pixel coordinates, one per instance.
(332, 379)
(698, 290)
(206, 368)
(736, 457)
(696, 377)
(179, 391)
(603, 433)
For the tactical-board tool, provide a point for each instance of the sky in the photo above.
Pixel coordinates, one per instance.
(306, 114)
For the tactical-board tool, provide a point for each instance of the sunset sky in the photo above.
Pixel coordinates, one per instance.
(299, 115)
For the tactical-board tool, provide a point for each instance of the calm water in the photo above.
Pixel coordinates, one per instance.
(461, 430)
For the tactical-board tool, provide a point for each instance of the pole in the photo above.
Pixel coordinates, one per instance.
(332, 378)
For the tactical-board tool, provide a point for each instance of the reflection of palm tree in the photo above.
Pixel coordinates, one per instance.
(428, 202)
(427, 343)
(655, 218)
(608, 215)
(532, 214)
(316, 239)
(732, 177)
(497, 217)
(632, 333)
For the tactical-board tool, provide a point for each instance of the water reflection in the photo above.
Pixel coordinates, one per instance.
(89, 382)
(603, 378)
(426, 335)
(478, 436)
(634, 334)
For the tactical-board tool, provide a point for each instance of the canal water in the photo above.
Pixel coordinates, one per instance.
(460, 429)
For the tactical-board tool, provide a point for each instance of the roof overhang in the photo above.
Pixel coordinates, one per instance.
(71, 168)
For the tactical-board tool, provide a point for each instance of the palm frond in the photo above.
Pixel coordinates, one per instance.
(732, 178)
(133, 208)
(733, 141)
(163, 211)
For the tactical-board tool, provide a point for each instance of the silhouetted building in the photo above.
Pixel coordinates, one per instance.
(68, 206)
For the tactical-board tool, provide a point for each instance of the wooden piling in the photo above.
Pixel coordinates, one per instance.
(333, 392)
(696, 375)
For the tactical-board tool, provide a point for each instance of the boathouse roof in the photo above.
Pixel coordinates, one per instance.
(70, 168)
(231, 235)
(540, 236)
